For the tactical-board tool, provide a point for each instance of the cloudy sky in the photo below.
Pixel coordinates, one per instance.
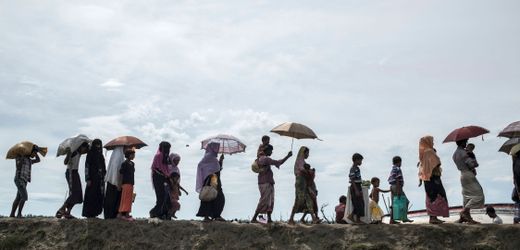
(368, 76)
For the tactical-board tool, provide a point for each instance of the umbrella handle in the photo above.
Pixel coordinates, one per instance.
(292, 142)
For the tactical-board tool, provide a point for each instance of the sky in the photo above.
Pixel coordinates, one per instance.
(367, 76)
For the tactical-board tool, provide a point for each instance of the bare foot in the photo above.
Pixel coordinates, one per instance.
(291, 222)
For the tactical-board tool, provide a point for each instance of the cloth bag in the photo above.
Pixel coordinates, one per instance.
(209, 192)
(257, 168)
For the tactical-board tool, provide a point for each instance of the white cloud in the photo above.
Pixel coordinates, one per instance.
(112, 84)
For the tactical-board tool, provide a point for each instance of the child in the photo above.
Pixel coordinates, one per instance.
(490, 211)
(265, 141)
(127, 172)
(396, 181)
(356, 192)
(377, 212)
(21, 178)
(469, 149)
(174, 187)
(340, 210)
(311, 186)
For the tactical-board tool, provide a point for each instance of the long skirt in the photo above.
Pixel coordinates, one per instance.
(436, 201)
(94, 195)
(357, 200)
(215, 207)
(303, 202)
(127, 197)
(75, 191)
(472, 193)
(266, 202)
(112, 201)
(162, 203)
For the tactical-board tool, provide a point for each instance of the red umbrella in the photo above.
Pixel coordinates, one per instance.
(129, 141)
(465, 133)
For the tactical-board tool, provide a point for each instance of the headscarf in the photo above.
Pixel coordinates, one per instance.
(208, 165)
(114, 165)
(299, 164)
(173, 167)
(161, 160)
(428, 158)
(95, 155)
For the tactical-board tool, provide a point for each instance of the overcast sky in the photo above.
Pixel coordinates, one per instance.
(367, 76)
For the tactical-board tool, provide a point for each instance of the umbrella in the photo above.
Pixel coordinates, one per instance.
(465, 133)
(129, 141)
(24, 149)
(295, 130)
(512, 130)
(228, 144)
(72, 144)
(515, 150)
(509, 144)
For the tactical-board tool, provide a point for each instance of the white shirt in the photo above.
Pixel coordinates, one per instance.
(497, 220)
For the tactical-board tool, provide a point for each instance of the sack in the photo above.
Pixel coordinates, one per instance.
(208, 193)
(23, 149)
(400, 207)
(257, 168)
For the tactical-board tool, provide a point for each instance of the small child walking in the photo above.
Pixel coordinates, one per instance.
(127, 194)
(376, 211)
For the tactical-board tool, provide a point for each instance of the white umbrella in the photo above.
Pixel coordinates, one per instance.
(72, 144)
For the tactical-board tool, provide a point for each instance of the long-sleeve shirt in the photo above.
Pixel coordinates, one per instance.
(266, 176)
(463, 161)
(23, 168)
(127, 172)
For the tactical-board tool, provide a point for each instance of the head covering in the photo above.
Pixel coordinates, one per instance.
(116, 159)
(95, 154)
(161, 161)
(299, 164)
(173, 167)
(208, 165)
(428, 158)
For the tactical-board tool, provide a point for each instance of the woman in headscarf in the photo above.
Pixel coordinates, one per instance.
(208, 171)
(114, 182)
(175, 184)
(472, 192)
(95, 171)
(430, 173)
(303, 202)
(74, 181)
(160, 175)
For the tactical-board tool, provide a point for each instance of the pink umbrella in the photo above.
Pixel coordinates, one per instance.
(228, 144)
(465, 133)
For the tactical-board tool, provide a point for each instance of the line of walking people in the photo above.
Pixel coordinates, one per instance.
(109, 189)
